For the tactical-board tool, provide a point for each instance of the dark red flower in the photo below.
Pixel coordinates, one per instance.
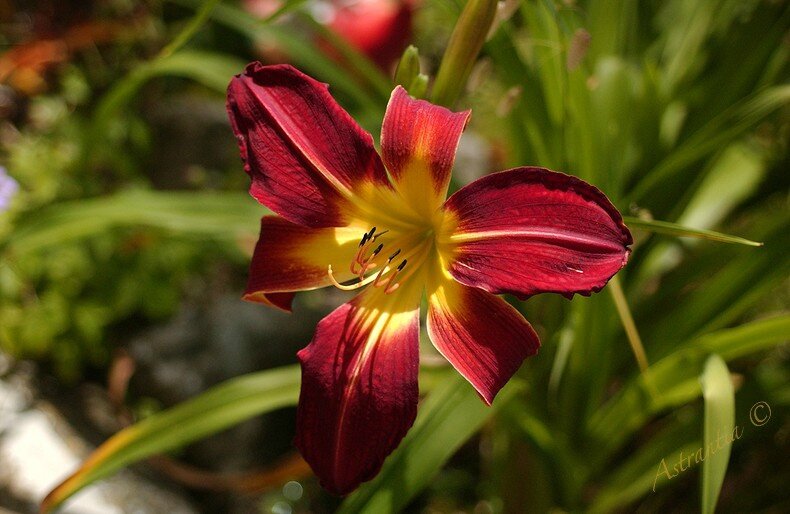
(380, 29)
(351, 218)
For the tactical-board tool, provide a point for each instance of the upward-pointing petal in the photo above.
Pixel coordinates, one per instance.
(359, 388)
(418, 145)
(304, 153)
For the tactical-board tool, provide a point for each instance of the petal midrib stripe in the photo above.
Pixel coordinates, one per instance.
(291, 140)
(537, 235)
(381, 320)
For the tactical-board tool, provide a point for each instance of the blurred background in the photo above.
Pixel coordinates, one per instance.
(126, 230)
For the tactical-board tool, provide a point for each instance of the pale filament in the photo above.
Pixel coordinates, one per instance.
(351, 287)
(365, 264)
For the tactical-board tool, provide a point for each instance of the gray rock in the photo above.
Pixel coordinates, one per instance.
(38, 449)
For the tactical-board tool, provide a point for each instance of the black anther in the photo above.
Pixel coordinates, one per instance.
(364, 240)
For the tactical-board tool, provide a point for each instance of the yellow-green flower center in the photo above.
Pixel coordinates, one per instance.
(397, 243)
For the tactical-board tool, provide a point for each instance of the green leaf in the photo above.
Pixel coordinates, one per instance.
(728, 283)
(548, 42)
(197, 21)
(450, 415)
(218, 408)
(715, 134)
(673, 229)
(685, 38)
(733, 177)
(642, 470)
(719, 396)
(210, 69)
(215, 215)
(673, 380)
(567, 468)
(614, 24)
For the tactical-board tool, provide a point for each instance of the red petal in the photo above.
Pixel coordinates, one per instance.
(305, 154)
(532, 230)
(482, 336)
(290, 257)
(359, 390)
(418, 145)
(380, 29)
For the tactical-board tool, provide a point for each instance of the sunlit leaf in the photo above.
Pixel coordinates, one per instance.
(672, 229)
(719, 396)
(213, 215)
(221, 407)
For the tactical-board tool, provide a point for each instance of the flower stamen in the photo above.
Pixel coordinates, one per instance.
(368, 238)
(387, 274)
(391, 284)
(386, 268)
(366, 264)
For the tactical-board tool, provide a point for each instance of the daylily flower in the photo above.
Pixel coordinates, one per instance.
(380, 224)
(380, 29)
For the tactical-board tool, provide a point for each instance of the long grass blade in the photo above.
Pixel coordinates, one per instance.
(197, 21)
(218, 216)
(676, 379)
(673, 229)
(719, 396)
(223, 406)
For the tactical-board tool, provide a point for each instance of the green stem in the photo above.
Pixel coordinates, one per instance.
(627, 320)
(194, 25)
(632, 334)
(465, 43)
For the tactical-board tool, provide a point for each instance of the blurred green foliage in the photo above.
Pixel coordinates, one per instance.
(70, 296)
(677, 110)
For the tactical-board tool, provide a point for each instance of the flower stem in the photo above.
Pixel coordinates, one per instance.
(465, 43)
(628, 323)
(620, 303)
